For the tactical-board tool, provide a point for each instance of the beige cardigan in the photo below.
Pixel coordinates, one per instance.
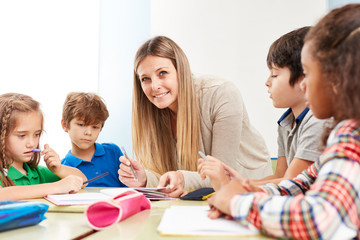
(226, 134)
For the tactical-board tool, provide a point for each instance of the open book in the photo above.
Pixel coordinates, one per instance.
(193, 221)
(104, 194)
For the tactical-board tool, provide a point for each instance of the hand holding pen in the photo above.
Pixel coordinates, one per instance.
(230, 172)
(52, 159)
(131, 173)
(132, 169)
(213, 168)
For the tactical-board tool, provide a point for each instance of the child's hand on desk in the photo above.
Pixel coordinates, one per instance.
(174, 180)
(127, 177)
(220, 202)
(215, 170)
(52, 159)
(69, 184)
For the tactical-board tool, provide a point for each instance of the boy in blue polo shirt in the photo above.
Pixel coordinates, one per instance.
(83, 117)
(299, 132)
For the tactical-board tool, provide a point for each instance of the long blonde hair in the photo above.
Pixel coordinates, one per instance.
(10, 104)
(153, 142)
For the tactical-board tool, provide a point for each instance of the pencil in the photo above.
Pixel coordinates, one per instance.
(82, 236)
(207, 196)
(95, 178)
(203, 156)
(132, 169)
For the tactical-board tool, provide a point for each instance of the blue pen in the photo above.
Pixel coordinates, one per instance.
(132, 169)
(36, 150)
(203, 156)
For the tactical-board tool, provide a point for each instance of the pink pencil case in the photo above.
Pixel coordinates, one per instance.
(102, 214)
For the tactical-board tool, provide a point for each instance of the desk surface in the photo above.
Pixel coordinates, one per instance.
(69, 225)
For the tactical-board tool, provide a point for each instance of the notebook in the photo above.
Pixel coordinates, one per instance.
(104, 194)
(76, 199)
(193, 221)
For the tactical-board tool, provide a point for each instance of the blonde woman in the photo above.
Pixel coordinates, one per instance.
(175, 115)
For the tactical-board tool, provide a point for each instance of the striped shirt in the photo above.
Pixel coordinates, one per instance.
(323, 202)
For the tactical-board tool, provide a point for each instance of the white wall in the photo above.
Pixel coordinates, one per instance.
(230, 39)
(339, 3)
(124, 26)
(48, 48)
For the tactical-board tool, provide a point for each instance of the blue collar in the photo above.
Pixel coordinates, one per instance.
(298, 119)
(99, 151)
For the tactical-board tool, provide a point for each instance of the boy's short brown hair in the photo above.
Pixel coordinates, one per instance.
(88, 107)
(286, 52)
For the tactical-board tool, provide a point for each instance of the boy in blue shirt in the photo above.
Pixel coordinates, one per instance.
(83, 117)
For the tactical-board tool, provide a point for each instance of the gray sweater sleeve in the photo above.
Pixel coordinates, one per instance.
(227, 133)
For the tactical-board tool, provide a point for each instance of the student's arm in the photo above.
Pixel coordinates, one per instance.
(220, 202)
(307, 149)
(330, 206)
(53, 162)
(266, 204)
(70, 184)
(281, 167)
(67, 171)
(297, 165)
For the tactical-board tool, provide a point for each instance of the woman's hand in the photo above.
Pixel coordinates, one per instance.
(127, 177)
(52, 159)
(215, 170)
(174, 183)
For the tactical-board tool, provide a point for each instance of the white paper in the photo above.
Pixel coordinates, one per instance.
(113, 192)
(193, 221)
(76, 198)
